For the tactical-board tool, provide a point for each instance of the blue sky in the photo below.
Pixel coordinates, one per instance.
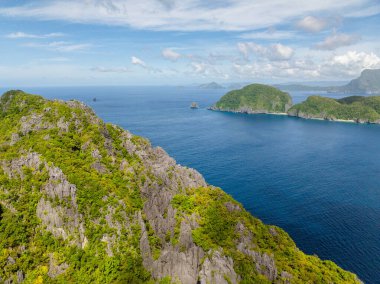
(154, 42)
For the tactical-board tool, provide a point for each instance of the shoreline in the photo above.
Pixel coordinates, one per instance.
(245, 112)
(295, 116)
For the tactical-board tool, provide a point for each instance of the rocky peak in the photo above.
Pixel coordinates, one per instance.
(87, 202)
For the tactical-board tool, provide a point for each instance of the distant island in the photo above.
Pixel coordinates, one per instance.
(212, 85)
(255, 98)
(259, 98)
(367, 83)
(352, 109)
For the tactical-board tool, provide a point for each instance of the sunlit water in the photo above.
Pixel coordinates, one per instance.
(318, 180)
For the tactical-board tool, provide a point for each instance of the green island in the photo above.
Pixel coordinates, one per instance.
(83, 201)
(255, 98)
(358, 109)
(258, 98)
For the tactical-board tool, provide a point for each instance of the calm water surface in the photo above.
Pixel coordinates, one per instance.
(317, 180)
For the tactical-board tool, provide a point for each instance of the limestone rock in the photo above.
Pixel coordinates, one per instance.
(218, 269)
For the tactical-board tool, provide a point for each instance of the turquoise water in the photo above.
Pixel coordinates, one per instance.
(317, 180)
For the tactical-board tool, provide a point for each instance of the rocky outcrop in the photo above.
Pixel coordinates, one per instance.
(64, 220)
(187, 262)
(265, 264)
(34, 122)
(15, 167)
(59, 187)
(218, 269)
(127, 212)
(56, 269)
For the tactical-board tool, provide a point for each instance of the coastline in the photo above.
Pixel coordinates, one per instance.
(296, 116)
(332, 120)
(247, 112)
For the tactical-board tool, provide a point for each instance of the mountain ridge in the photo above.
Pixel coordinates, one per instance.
(83, 201)
(367, 83)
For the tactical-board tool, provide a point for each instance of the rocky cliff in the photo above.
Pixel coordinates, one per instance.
(367, 83)
(82, 201)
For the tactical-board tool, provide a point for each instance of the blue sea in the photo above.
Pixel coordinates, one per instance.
(318, 180)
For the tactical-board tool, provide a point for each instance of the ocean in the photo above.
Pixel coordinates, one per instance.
(318, 180)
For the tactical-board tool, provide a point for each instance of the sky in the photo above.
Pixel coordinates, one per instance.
(170, 42)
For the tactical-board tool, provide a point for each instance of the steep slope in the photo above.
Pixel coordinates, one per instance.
(354, 108)
(82, 201)
(367, 83)
(255, 98)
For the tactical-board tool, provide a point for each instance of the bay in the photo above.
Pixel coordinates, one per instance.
(317, 180)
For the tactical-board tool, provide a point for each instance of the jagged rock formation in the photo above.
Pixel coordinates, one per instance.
(87, 202)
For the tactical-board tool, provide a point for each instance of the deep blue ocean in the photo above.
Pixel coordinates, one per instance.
(318, 180)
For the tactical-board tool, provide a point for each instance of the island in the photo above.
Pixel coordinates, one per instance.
(358, 109)
(212, 85)
(367, 83)
(253, 99)
(84, 201)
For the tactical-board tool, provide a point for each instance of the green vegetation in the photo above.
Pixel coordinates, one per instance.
(218, 229)
(64, 150)
(354, 108)
(255, 98)
(73, 196)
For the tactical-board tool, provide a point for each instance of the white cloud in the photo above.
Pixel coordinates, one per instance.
(280, 52)
(366, 11)
(185, 15)
(199, 68)
(244, 48)
(170, 54)
(111, 69)
(274, 52)
(312, 24)
(137, 61)
(337, 40)
(295, 69)
(269, 35)
(207, 70)
(19, 35)
(343, 66)
(61, 46)
(350, 63)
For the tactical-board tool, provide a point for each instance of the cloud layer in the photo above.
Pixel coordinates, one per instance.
(20, 35)
(189, 15)
(165, 40)
(337, 40)
(274, 52)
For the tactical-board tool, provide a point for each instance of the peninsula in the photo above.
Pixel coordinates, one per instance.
(83, 201)
(358, 109)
